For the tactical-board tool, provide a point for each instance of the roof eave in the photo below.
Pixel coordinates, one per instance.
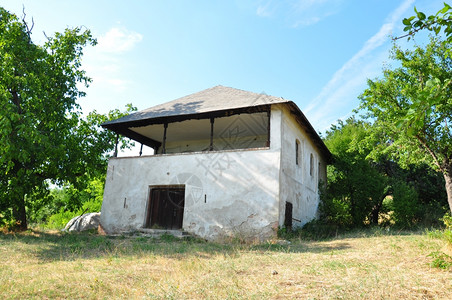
(178, 118)
(306, 125)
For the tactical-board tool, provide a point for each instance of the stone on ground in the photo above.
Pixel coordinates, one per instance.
(84, 222)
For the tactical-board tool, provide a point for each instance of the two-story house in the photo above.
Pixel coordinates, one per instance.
(226, 163)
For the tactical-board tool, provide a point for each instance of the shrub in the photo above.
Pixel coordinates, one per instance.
(318, 230)
(313, 230)
(441, 260)
(335, 211)
(404, 204)
(59, 220)
(447, 220)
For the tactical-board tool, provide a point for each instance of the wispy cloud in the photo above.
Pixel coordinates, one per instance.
(107, 63)
(298, 13)
(264, 10)
(309, 12)
(344, 86)
(118, 40)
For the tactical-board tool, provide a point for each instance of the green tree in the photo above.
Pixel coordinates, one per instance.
(439, 23)
(42, 135)
(364, 186)
(356, 187)
(83, 189)
(412, 109)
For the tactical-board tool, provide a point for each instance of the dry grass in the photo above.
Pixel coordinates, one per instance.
(361, 265)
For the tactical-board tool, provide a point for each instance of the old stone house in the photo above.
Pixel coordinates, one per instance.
(226, 163)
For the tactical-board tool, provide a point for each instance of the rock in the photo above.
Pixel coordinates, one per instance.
(283, 242)
(84, 222)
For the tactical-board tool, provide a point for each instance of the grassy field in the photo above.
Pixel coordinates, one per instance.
(373, 265)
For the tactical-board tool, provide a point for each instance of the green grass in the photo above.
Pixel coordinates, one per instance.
(362, 264)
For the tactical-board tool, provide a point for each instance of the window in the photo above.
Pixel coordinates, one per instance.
(320, 172)
(297, 152)
(288, 216)
(311, 165)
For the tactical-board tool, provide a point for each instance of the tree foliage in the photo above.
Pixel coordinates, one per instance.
(439, 23)
(366, 189)
(43, 135)
(412, 109)
(356, 188)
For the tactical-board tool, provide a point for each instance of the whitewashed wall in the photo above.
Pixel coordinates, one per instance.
(297, 185)
(227, 193)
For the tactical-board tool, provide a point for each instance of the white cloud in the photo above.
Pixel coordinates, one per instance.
(264, 10)
(341, 89)
(301, 6)
(309, 12)
(298, 12)
(107, 64)
(311, 20)
(118, 40)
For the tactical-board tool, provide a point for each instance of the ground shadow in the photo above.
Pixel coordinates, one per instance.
(58, 246)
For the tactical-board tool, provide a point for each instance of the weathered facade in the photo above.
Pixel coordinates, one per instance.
(227, 163)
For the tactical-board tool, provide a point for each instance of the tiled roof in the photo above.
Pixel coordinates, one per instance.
(207, 103)
(216, 98)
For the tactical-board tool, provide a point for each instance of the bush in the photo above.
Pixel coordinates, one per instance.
(441, 260)
(59, 220)
(67, 202)
(447, 220)
(335, 211)
(405, 205)
(313, 230)
(431, 214)
(318, 230)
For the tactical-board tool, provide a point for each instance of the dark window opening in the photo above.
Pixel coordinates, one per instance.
(288, 216)
(311, 165)
(319, 172)
(297, 152)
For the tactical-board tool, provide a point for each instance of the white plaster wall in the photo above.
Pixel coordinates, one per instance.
(227, 193)
(297, 185)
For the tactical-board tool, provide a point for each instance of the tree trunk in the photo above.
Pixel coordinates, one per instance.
(18, 199)
(376, 209)
(20, 215)
(375, 213)
(448, 179)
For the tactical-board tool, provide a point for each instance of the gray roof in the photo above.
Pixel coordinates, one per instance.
(208, 102)
(217, 98)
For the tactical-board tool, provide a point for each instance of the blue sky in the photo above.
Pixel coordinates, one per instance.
(317, 53)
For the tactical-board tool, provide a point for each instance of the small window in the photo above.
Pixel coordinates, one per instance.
(320, 172)
(297, 152)
(288, 216)
(311, 165)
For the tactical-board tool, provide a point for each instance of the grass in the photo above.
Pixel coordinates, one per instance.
(362, 264)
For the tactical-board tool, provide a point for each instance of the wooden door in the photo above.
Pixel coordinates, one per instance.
(166, 208)
(288, 216)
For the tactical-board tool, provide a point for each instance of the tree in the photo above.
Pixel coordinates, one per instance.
(359, 183)
(412, 109)
(356, 185)
(43, 137)
(83, 189)
(440, 23)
